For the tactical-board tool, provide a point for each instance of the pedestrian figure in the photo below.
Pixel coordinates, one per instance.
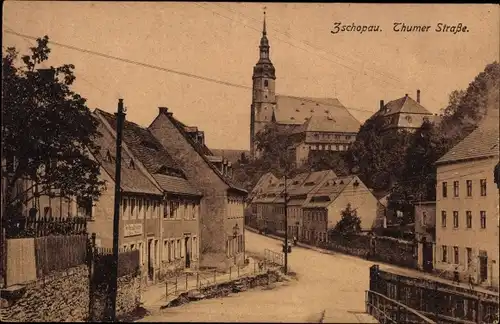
(456, 278)
(471, 282)
(294, 240)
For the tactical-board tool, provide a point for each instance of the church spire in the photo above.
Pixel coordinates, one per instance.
(264, 31)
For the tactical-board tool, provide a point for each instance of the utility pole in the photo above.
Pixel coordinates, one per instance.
(286, 229)
(120, 118)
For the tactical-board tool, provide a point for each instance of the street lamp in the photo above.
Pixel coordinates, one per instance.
(236, 231)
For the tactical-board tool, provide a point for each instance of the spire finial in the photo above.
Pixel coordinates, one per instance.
(264, 32)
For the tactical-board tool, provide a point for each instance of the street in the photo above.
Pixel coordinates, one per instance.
(333, 284)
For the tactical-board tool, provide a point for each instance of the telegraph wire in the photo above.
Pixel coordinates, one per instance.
(291, 44)
(186, 74)
(309, 44)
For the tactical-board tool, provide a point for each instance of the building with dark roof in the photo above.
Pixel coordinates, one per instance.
(222, 206)
(405, 113)
(141, 206)
(180, 220)
(467, 209)
(321, 123)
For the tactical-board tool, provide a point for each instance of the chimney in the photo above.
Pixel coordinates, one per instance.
(418, 95)
(163, 110)
(406, 95)
(381, 104)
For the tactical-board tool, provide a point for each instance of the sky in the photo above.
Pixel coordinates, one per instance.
(220, 41)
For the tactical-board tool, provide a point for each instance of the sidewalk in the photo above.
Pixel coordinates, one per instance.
(389, 267)
(153, 297)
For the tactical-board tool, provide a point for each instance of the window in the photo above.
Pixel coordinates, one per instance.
(445, 189)
(455, 219)
(483, 219)
(455, 188)
(455, 255)
(469, 257)
(84, 207)
(186, 211)
(468, 218)
(132, 208)
(424, 218)
(139, 210)
(266, 83)
(443, 218)
(469, 188)
(125, 209)
(444, 254)
(347, 137)
(483, 187)
(194, 209)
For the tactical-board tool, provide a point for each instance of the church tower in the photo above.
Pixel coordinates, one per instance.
(263, 91)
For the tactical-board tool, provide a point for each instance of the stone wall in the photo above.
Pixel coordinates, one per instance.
(129, 294)
(63, 296)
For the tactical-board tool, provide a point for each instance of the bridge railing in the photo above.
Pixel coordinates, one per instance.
(387, 310)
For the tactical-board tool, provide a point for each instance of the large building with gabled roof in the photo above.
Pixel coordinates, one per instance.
(180, 219)
(222, 206)
(467, 210)
(324, 123)
(405, 113)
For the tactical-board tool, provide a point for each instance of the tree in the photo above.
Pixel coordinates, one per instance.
(418, 178)
(376, 155)
(349, 223)
(327, 160)
(47, 131)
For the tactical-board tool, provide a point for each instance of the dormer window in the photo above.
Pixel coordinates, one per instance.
(132, 164)
(356, 183)
(292, 118)
(297, 110)
(341, 181)
(302, 104)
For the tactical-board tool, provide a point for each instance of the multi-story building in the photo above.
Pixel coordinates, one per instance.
(180, 219)
(269, 204)
(467, 207)
(253, 219)
(425, 233)
(320, 123)
(141, 206)
(222, 207)
(405, 113)
(323, 208)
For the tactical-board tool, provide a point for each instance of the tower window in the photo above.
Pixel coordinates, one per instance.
(266, 83)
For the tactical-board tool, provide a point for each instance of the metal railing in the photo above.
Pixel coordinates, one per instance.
(387, 310)
(184, 282)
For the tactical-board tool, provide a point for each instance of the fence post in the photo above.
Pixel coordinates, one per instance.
(197, 280)
(215, 276)
(230, 267)
(253, 266)
(176, 277)
(186, 281)
(238, 271)
(166, 289)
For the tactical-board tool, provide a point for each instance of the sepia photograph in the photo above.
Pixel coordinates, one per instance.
(263, 162)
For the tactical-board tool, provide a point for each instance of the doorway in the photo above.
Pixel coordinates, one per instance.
(483, 266)
(150, 260)
(187, 248)
(427, 257)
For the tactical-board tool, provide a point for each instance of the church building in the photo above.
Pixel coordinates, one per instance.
(317, 124)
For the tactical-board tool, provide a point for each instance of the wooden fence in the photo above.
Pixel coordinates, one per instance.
(22, 227)
(439, 301)
(57, 253)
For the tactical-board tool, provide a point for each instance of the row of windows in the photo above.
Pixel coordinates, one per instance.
(310, 235)
(331, 136)
(139, 208)
(328, 147)
(315, 216)
(235, 209)
(468, 184)
(181, 210)
(468, 219)
(173, 249)
(455, 257)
